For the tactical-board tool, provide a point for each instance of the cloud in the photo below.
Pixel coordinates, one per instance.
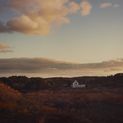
(108, 5)
(26, 25)
(3, 28)
(86, 8)
(45, 67)
(116, 5)
(4, 48)
(37, 16)
(74, 7)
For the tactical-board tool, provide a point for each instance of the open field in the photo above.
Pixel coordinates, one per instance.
(99, 102)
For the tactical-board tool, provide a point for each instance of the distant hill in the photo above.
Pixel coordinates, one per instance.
(7, 92)
(8, 97)
(25, 84)
(13, 106)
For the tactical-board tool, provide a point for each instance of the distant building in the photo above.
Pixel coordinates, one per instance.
(76, 84)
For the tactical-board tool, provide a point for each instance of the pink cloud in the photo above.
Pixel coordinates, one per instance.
(86, 8)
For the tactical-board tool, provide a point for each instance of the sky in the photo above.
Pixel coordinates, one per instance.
(61, 37)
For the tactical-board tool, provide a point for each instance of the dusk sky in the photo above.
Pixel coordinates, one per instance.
(61, 37)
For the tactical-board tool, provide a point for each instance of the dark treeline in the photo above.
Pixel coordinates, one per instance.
(25, 84)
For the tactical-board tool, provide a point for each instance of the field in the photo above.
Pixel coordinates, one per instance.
(56, 102)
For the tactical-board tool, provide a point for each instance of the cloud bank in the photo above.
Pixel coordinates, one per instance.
(47, 68)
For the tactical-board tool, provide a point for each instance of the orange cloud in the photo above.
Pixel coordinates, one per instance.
(38, 16)
(4, 48)
(27, 25)
(86, 8)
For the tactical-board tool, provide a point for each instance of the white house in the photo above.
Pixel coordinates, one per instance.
(76, 84)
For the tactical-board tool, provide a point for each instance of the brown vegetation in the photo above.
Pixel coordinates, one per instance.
(36, 100)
